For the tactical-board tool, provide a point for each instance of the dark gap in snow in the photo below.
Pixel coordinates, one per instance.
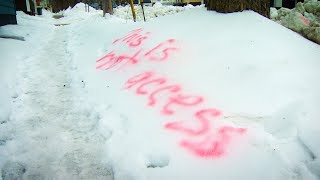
(307, 149)
(20, 38)
(12, 170)
(3, 121)
(156, 166)
(3, 142)
(62, 24)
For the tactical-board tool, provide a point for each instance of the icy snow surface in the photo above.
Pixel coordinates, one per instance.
(192, 95)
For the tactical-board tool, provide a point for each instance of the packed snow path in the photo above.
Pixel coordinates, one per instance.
(52, 138)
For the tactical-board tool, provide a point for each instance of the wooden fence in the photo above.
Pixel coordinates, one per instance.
(227, 6)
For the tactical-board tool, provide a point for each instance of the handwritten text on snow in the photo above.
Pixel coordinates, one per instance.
(200, 136)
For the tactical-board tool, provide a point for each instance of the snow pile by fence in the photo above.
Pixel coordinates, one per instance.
(124, 12)
(79, 12)
(303, 19)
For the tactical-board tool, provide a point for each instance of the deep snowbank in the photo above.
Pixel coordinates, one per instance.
(124, 13)
(150, 12)
(274, 97)
(303, 19)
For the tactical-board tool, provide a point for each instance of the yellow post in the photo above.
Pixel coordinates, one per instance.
(133, 12)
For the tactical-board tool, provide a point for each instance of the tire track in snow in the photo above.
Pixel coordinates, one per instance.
(52, 134)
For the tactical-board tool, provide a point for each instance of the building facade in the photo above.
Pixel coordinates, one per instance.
(7, 12)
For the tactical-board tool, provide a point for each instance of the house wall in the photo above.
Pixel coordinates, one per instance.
(7, 7)
(228, 6)
(289, 3)
(26, 6)
(58, 5)
(286, 3)
(7, 12)
(277, 3)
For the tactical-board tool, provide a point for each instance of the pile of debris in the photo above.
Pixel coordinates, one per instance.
(303, 19)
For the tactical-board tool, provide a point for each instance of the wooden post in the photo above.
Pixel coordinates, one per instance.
(107, 7)
(35, 7)
(88, 6)
(144, 17)
(242, 6)
(28, 6)
(132, 9)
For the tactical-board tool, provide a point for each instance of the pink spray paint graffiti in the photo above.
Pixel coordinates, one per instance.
(208, 146)
(200, 136)
(134, 39)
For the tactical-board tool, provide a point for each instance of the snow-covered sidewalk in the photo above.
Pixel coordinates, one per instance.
(50, 132)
